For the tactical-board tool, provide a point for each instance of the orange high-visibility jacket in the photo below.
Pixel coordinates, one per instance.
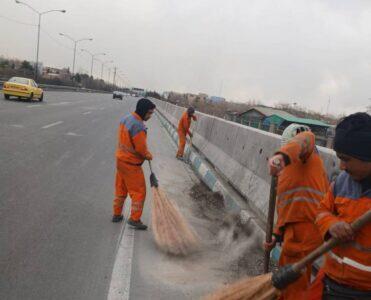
(301, 185)
(132, 140)
(349, 264)
(185, 123)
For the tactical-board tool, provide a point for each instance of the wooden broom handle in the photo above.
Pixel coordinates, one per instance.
(150, 166)
(331, 243)
(270, 221)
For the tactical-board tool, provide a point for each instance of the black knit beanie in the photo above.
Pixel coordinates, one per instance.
(353, 136)
(190, 110)
(143, 106)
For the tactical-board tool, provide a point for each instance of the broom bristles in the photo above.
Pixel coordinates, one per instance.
(171, 231)
(255, 288)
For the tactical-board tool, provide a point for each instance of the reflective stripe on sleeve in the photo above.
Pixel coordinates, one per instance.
(300, 189)
(350, 262)
(296, 199)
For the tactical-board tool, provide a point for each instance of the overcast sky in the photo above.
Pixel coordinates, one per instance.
(268, 50)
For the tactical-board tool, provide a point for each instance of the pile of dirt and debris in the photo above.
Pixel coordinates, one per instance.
(242, 244)
(239, 246)
(207, 204)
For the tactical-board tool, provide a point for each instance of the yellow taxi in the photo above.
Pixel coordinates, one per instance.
(22, 88)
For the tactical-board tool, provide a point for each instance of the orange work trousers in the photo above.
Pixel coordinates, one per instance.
(129, 180)
(315, 291)
(182, 143)
(298, 241)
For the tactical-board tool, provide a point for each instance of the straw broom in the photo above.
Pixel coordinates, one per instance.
(172, 233)
(267, 286)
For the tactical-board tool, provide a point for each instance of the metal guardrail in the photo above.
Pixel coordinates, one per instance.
(50, 87)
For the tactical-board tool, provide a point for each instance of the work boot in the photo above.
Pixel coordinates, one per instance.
(181, 158)
(137, 224)
(117, 218)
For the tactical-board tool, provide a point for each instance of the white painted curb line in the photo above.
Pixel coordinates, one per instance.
(121, 274)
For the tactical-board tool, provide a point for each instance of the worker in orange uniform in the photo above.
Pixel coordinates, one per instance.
(302, 183)
(131, 152)
(346, 273)
(183, 129)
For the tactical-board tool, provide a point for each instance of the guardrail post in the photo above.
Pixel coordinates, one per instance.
(330, 142)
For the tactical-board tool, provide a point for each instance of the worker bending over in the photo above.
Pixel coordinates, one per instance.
(346, 273)
(183, 129)
(302, 182)
(131, 152)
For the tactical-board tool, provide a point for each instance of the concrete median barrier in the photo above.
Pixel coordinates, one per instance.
(238, 153)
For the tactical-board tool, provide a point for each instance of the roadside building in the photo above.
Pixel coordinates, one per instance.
(138, 92)
(194, 99)
(232, 116)
(55, 73)
(255, 116)
(281, 122)
(276, 120)
(216, 99)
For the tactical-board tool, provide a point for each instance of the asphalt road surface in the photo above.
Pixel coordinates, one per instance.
(56, 189)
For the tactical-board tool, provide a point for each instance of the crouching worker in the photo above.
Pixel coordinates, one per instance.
(346, 273)
(183, 129)
(302, 182)
(131, 152)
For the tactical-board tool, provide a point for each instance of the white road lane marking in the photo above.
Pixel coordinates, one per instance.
(86, 113)
(89, 107)
(60, 103)
(121, 275)
(35, 105)
(52, 124)
(73, 134)
(17, 126)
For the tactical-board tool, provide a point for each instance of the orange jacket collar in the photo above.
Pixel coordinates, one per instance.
(137, 116)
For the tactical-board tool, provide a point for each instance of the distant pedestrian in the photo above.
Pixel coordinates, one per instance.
(183, 129)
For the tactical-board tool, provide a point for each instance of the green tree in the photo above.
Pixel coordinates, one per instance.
(26, 65)
(4, 63)
(77, 78)
(153, 94)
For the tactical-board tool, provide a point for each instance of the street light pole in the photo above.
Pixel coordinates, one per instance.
(75, 47)
(122, 79)
(91, 68)
(38, 46)
(114, 76)
(92, 59)
(74, 58)
(103, 63)
(38, 29)
(328, 105)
